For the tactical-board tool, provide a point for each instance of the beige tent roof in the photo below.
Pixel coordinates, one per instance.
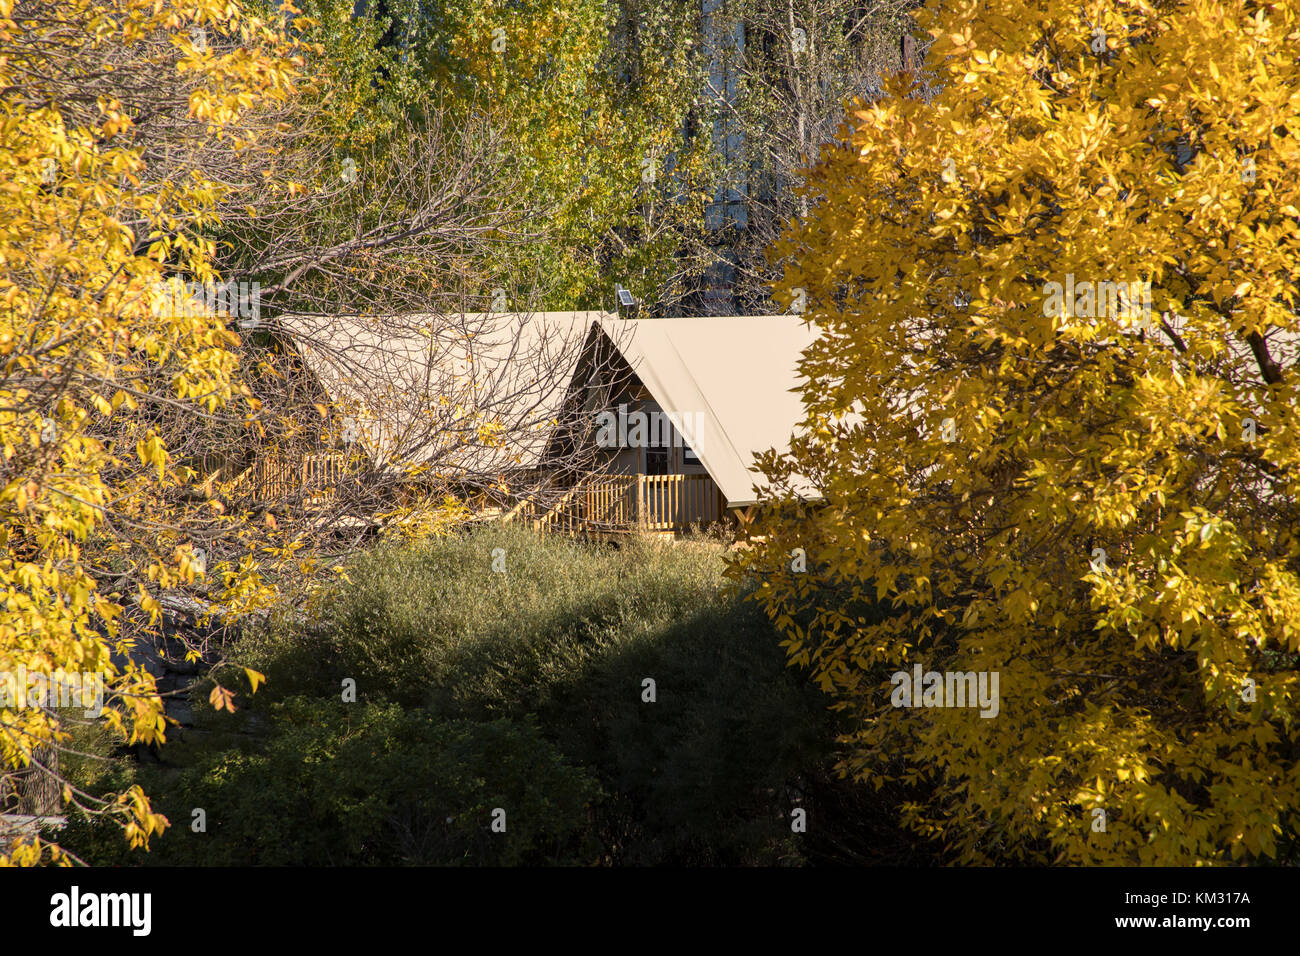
(734, 376)
(420, 386)
(728, 383)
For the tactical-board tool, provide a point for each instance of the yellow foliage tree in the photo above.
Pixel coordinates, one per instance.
(593, 99)
(99, 372)
(1052, 423)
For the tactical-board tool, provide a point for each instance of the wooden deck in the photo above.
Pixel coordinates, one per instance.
(600, 505)
(616, 504)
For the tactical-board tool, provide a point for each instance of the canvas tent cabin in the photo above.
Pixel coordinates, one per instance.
(462, 401)
(677, 409)
(580, 422)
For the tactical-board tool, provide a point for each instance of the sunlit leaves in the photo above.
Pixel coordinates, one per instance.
(1160, 682)
(88, 527)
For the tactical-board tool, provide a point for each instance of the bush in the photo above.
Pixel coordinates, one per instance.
(432, 624)
(373, 784)
(567, 634)
(464, 675)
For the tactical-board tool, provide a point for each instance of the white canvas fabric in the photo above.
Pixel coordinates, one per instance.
(397, 374)
(733, 377)
(728, 383)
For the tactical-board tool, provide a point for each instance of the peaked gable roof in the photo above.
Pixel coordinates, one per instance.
(418, 385)
(729, 384)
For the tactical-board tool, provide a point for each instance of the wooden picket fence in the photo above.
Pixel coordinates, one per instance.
(275, 477)
(625, 503)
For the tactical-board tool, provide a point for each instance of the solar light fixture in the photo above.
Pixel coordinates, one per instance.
(628, 307)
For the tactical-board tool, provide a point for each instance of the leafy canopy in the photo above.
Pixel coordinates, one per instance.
(1098, 505)
(98, 372)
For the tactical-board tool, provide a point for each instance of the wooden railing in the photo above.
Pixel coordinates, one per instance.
(620, 503)
(610, 503)
(274, 477)
(562, 517)
(674, 502)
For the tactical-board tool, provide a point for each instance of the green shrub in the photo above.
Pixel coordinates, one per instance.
(433, 624)
(566, 635)
(372, 784)
(92, 764)
(465, 675)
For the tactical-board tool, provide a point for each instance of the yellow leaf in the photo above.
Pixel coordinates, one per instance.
(222, 699)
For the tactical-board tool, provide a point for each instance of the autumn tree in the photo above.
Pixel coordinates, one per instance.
(592, 100)
(372, 192)
(101, 378)
(1051, 433)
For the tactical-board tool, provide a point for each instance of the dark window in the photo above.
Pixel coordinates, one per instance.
(656, 461)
